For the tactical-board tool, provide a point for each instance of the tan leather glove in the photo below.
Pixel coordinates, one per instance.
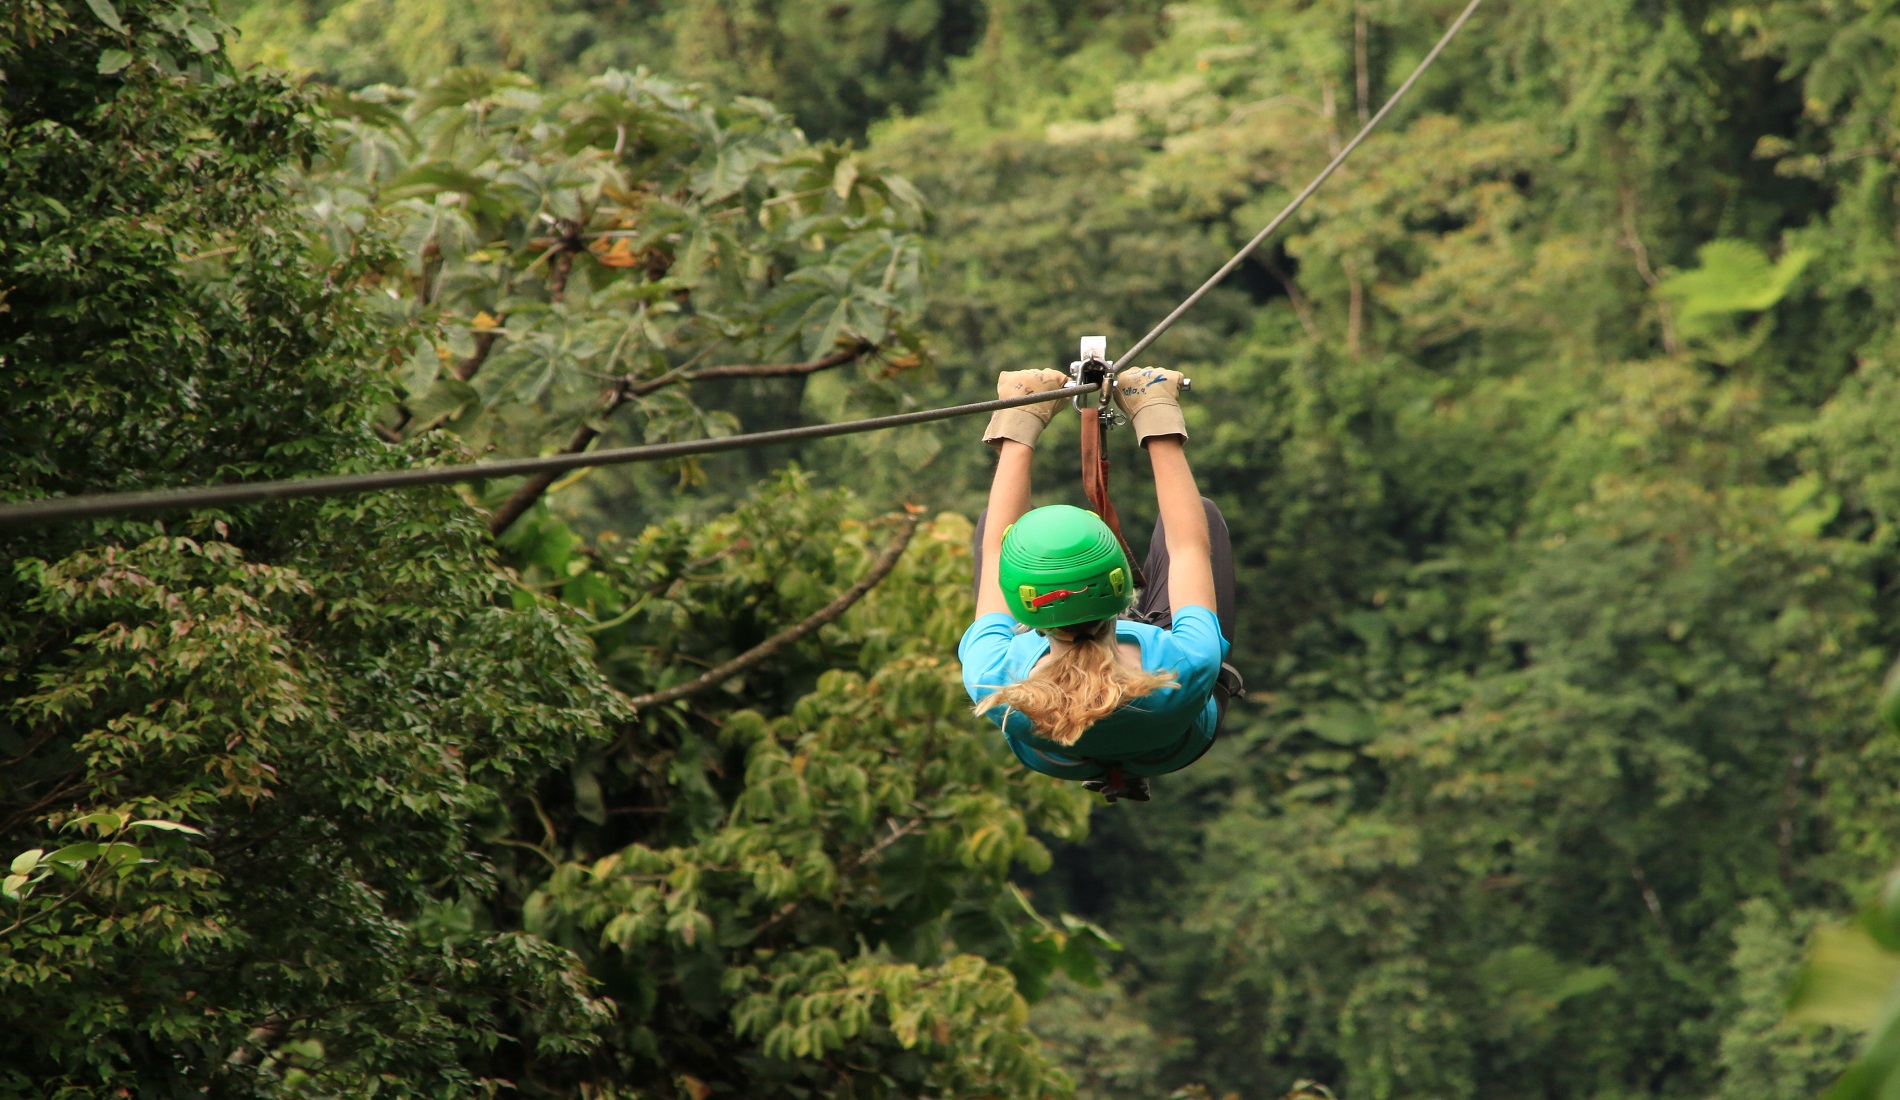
(1025, 422)
(1151, 397)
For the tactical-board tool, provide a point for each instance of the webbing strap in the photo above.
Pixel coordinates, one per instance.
(1095, 485)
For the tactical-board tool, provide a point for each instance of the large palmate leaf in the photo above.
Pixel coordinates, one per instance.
(552, 214)
(1731, 277)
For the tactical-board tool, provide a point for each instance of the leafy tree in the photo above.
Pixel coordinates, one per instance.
(1764, 1052)
(1554, 436)
(565, 256)
(313, 798)
(1555, 485)
(793, 879)
(1102, 1039)
(1847, 980)
(835, 67)
(249, 758)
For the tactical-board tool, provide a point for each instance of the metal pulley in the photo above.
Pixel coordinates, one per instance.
(1093, 367)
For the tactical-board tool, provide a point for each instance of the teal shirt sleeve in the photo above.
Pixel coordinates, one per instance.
(984, 652)
(1193, 649)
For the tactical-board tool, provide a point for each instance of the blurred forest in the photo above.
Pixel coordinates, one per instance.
(1550, 435)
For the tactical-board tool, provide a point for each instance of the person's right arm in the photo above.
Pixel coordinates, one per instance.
(1013, 432)
(1009, 499)
(1184, 521)
(1151, 398)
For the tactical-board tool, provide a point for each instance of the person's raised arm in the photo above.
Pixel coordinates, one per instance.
(1184, 523)
(1150, 397)
(1009, 499)
(1014, 433)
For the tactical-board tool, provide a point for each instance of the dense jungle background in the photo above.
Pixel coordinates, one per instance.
(1555, 437)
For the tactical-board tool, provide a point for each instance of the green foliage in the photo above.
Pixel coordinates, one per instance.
(1564, 515)
(803, 870)
(1890, 698)
(1763, 1052)
(1102, 1039)
(243, 756)
(835, 67)
(1732, 277)
(798, 881)
(86, 863)
(1555, 437)
(1848, 982)
(562, 254)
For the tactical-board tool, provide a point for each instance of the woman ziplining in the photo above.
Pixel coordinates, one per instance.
(150, 502)
(1090, 695)
(1088, 679)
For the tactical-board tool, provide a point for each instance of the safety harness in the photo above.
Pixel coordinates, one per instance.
(1094, 367)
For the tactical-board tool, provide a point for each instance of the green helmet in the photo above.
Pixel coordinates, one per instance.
(1061, 566)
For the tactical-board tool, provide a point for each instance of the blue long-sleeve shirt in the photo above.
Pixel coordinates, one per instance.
(1158, 733)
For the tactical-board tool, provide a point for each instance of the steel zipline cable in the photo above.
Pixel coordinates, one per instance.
(1299, 200)
(144, 503)
(251, 492)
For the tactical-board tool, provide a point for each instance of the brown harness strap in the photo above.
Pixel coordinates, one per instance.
(1095, 485)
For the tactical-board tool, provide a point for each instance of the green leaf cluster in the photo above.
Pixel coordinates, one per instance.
(1847, 982)
(562, 254)
(837, 67)
(415, 830)
(1554, 437)
(798, 881)
(243, 756)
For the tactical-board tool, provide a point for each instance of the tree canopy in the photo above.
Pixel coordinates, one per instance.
(249, 758)
(1553, 436)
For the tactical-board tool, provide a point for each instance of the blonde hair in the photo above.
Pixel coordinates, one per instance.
(1074, 689)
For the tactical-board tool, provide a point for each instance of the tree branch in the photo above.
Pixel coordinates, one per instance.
(522, 499)
(570, 242)
(427, 268)
(1301, 308)
(1360, 67)
(1654, 905)
(463, 371)
(857, 350)
(1632, 240)
(1355, 312)
(484, 343)
(880, 569)
(628, 389)
(1790, 803)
